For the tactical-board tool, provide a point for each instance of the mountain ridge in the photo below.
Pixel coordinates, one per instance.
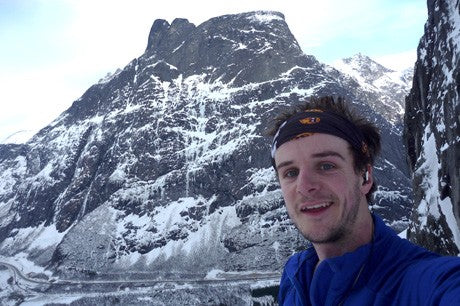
(164, 163)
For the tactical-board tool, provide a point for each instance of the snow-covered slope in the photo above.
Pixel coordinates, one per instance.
(432, 131)
(163, 168)
(384, 88)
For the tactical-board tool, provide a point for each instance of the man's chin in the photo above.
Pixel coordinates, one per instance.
(322, 238)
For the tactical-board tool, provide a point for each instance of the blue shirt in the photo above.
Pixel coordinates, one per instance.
(387, 271)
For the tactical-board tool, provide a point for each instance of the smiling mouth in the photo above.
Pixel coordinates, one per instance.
(316, 208)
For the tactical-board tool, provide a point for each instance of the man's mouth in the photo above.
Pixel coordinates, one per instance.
(316, 208)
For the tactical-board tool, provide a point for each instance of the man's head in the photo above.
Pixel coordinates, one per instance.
(322, 154)
(338, 107)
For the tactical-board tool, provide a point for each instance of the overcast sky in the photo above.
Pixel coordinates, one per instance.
(53, 50)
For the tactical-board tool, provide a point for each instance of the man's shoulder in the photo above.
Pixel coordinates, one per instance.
(435, 280)
(434, 266)
(408, 271)
(299, 259)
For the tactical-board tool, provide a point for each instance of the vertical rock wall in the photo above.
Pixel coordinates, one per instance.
(432, 131)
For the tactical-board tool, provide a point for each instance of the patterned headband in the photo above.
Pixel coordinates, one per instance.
(317, 121)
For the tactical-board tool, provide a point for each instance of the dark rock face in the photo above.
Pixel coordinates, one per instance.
(195, 51)
(432, 130)
(163, 166)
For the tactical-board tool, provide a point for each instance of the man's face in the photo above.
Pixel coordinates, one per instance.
(324, 196)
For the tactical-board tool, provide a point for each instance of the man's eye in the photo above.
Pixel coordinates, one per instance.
(291, 173)
(326, 166)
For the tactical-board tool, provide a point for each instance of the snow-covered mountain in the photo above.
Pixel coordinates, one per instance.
(432, 131)
(163, 169)
(384, 88)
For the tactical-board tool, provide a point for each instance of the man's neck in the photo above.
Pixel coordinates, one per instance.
(361, 235)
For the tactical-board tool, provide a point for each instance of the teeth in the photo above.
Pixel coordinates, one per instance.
(316, 206)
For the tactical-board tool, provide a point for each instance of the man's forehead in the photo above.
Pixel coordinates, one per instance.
(314, 146)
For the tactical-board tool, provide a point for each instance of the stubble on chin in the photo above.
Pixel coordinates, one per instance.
(334, 234)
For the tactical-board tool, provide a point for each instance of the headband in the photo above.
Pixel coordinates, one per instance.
(317, 121)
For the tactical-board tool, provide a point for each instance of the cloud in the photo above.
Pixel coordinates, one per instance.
(398, 61)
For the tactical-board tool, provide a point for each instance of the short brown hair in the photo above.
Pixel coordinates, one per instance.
(339, 106)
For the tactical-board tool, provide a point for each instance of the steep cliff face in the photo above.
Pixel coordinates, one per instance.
(432, 131)
(164, 163)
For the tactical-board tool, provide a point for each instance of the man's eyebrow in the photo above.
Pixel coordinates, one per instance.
(316, 155)
(327, 154)
(284, 164)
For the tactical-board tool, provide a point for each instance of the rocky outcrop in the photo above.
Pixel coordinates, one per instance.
(432, 131)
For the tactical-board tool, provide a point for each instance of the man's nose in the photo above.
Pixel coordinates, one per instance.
(307, 183)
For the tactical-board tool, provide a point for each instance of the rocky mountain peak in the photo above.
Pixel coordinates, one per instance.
(368, 69)
(230, 43)
(165, 36)
(366, 65)
(385, 87)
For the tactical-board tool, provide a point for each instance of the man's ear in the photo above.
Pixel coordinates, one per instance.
(365, 177)
(368, 179)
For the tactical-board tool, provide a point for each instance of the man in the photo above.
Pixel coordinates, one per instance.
(323, 156)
